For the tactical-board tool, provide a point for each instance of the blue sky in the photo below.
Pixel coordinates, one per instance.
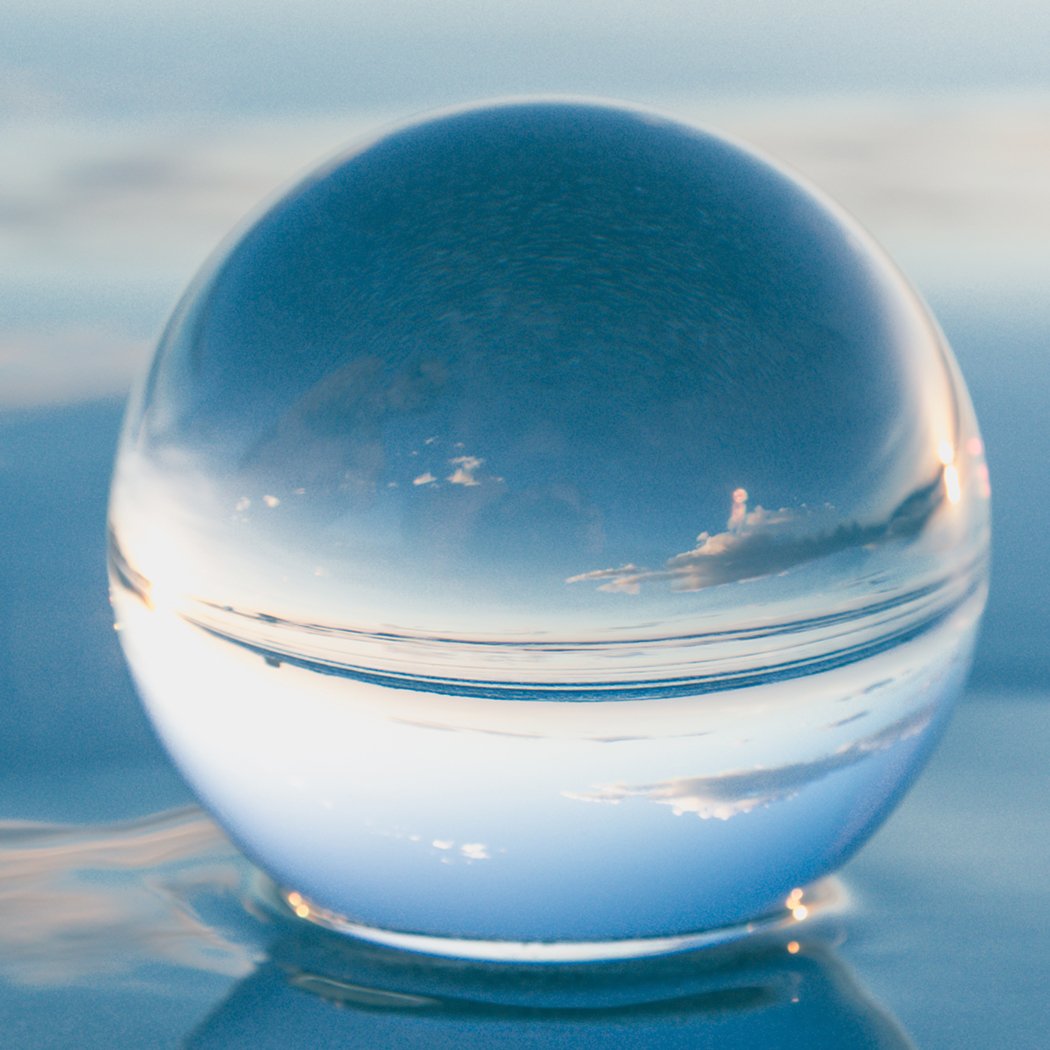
(134, 138)
(121, 58)
(104, 219)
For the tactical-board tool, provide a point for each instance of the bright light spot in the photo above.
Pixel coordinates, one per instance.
(738, 514)
(424, 479)
(475, 851)
(975, 446)
(794, 897)
(271, 501)
(298, 905)
(793, 947)
(952, 487)
(242, 504)
(162, 595)
(945, 452)
(800, 912)
(442, 843)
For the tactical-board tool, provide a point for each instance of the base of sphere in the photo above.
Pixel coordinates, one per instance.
(819, 898)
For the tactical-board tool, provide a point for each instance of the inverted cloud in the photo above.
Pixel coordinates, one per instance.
(725, 795)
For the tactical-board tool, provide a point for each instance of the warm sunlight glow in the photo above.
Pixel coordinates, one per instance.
(793, 947)
(738, 514)
(298, 905)
(983, 482)
(795, 906)
(952, 483)
(952, 486)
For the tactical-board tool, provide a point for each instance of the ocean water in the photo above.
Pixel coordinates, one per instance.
(157, 933)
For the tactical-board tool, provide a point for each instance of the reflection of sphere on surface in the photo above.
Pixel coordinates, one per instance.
(773, 996)
(549, 523)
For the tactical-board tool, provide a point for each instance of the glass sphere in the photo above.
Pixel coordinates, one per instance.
(549, 523)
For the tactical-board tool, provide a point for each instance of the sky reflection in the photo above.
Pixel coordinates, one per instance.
(96, 905)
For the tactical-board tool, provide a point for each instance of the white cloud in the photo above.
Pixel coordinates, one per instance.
(604, 574)
(464, 472)
(734, 792)
(64, 365)
(763, 543)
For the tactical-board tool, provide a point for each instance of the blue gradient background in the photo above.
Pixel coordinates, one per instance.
(133, 139)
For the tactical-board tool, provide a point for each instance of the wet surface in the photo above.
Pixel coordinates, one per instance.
(127, 919)
(154, 931)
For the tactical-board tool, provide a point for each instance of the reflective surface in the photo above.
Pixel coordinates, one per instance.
(549, 523)
(172, 895)
(155, 932)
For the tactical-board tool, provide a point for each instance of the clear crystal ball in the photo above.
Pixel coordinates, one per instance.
(549, 523)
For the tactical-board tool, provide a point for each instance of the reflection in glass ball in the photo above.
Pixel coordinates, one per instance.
(549, 523)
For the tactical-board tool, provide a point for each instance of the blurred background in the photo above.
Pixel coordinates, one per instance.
(133, 137)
